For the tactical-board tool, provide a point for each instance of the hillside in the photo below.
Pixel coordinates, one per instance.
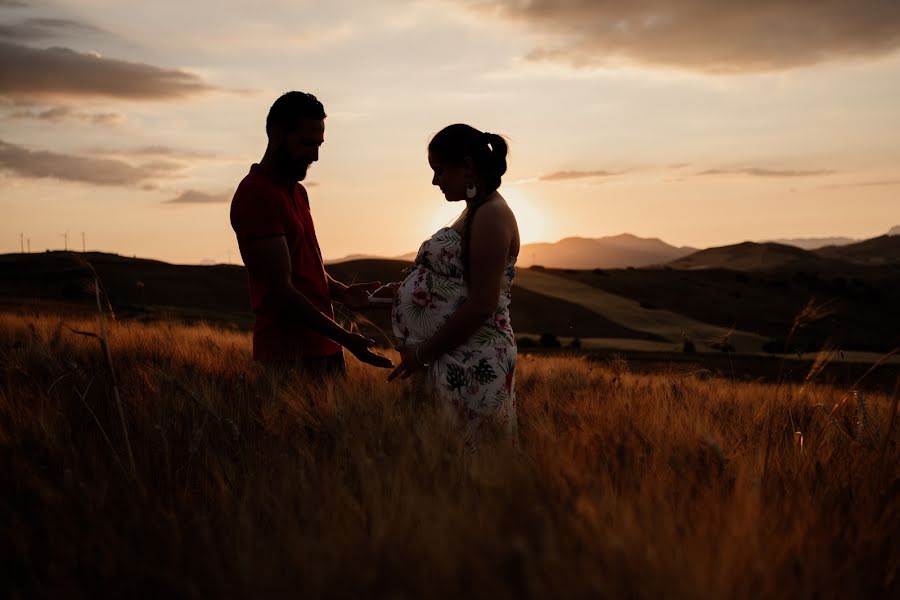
(639, 305)
(876, 251)
(751, 256)
(814, 243)
(135, 287)
(857, 302)
(148, 289)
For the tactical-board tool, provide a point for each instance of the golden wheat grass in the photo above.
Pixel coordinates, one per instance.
(259, 484)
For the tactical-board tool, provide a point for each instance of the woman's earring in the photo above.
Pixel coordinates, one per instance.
(471, 191)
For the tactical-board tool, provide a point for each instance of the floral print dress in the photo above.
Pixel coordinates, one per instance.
(477, 378)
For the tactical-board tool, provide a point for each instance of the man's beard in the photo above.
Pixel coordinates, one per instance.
(288, 168)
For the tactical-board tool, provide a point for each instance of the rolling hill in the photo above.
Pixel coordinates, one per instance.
(646, 308)
(750, 256)
(754, 256)
(149, 289)
(855, 306)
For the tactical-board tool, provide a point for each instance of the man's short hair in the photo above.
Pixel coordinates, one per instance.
(291, 108)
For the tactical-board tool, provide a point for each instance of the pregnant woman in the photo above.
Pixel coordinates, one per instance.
(451, 313)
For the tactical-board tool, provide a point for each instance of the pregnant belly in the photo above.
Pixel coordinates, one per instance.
(423, 303)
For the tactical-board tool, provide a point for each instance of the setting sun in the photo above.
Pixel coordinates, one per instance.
(535, 225)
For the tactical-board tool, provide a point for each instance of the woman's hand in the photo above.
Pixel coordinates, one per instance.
(414, 359)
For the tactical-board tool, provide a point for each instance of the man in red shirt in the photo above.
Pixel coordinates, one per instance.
(290, 292)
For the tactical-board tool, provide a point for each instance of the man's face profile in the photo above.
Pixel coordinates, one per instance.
(300, 148)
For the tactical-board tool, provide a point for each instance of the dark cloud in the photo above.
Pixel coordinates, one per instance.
(12, 4)
(31, 30)
(766, 172)
(59, 114)
(568, 175)
(705, 35)
(34, 72)
(39, 164)
(198, 197)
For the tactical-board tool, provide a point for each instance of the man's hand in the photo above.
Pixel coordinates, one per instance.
(359, 345)
(356, 296)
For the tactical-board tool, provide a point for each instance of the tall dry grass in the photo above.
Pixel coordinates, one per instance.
(253, 483)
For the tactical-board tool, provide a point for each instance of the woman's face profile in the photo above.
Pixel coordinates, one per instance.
(451, 179)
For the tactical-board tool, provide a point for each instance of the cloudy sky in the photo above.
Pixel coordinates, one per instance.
(701, 122)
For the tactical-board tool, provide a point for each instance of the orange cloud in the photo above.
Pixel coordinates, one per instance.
(704, 35)
(766, 172)
(870, 183)
(568, 175)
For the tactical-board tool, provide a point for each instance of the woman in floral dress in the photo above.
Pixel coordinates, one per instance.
(451, 313)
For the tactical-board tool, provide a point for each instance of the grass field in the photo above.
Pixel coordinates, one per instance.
(253, 483)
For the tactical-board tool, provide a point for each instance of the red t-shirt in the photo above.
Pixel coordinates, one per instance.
(262, 207)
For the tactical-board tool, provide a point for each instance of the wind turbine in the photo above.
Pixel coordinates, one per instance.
(65, 237)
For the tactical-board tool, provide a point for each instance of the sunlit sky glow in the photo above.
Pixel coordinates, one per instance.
(699, 122)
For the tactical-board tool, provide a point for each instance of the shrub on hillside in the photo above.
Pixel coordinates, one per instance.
(548, 340)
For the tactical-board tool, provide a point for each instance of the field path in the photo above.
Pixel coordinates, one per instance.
(629, 313)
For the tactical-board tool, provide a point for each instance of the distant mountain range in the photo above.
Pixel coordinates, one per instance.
(752, 256)
(626, 250)
(614, 252)
(814, 243)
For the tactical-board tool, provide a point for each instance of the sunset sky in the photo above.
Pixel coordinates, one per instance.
(700, 122)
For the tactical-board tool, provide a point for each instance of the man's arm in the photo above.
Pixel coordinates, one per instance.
(336, 289)
(269, 260)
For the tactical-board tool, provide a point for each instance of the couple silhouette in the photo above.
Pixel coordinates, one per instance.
(449, 315)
